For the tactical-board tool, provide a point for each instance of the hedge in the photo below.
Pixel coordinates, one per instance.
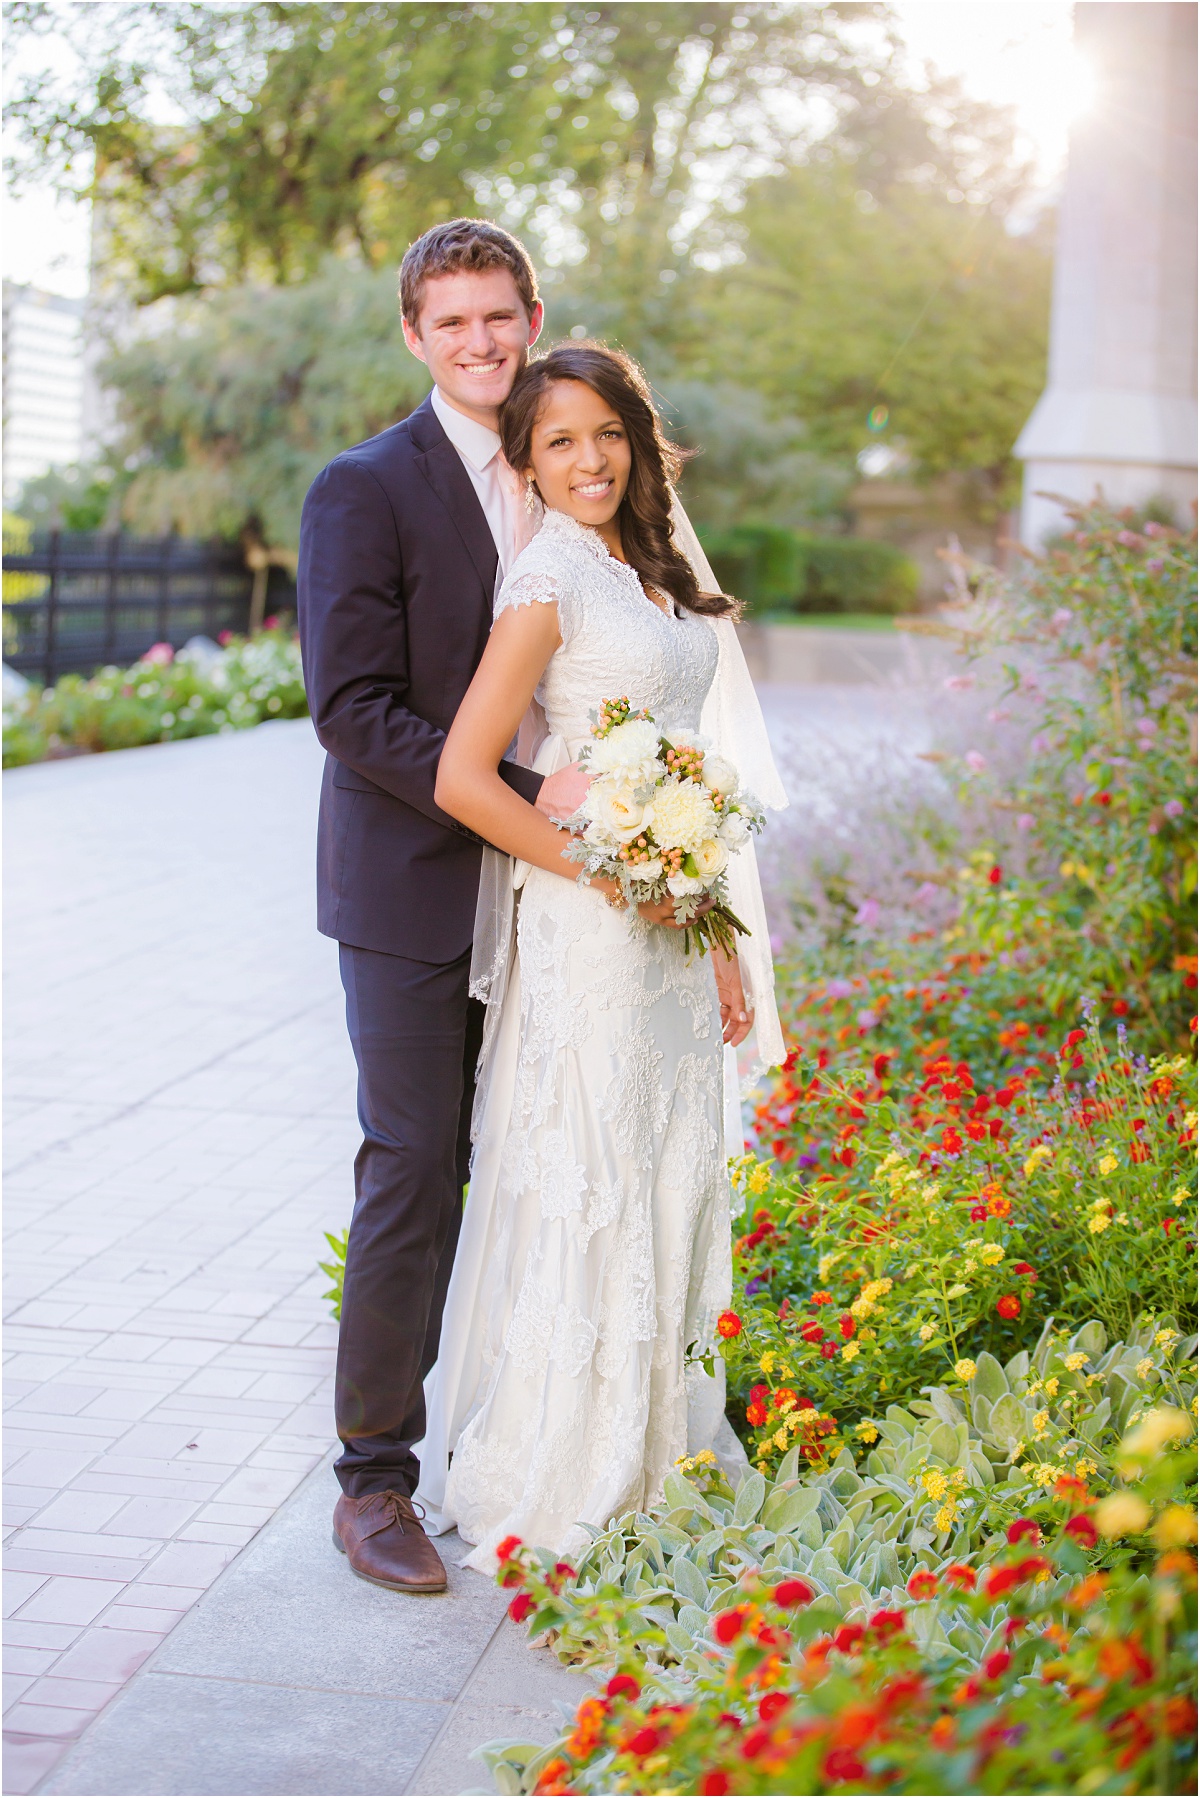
(772, 569)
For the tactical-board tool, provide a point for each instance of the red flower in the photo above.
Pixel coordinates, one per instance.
(1024, 1529)
(1082, 1530)
(729, 1324)
(1023, 1268)
(1073, 1037)
(1101, 798)
(770, 1707)
(623, 1685)
(828, 1350)
(922, 1584)
(846, 1326)
(520, 1607)
(642, 1742)
(1008, 1305)
(887, 1623)
(1000, 1580)
(996, 875)
(960, 1575)
(1120, 1008)
(1032, 1567)
(847, 1637)
(507, 1549)
(842, 1763)
(952, 1142)
(785, 1399)
(757, 1392)
(812, 1331)
(728, 1625)
(979, 1214)
(714, 1782)
(792, 1592)
(997, 1663)
(756, 1414)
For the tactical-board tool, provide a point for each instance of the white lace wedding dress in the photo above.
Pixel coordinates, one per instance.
(595, 1246)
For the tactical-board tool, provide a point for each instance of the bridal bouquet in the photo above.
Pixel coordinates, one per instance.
(661, 817)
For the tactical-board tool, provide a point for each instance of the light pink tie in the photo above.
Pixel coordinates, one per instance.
(526, 520)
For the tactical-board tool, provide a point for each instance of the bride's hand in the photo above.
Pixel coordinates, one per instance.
(736, 1016)
(654, 911)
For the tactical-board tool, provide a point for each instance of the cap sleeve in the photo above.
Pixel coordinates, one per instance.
(538, 587)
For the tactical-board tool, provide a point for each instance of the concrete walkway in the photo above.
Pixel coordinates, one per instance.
(181, 1131)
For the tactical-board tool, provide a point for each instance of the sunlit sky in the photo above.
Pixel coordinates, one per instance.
(1014, 52)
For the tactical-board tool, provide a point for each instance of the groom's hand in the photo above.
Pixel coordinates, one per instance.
(563, 793)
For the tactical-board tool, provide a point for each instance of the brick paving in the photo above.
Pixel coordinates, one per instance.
(180, 1131)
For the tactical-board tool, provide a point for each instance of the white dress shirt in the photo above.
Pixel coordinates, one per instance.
(479, 452)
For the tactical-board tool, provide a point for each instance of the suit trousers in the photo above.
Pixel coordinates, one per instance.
(416, 1036)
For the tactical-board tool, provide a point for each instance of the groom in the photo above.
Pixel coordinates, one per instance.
(404, 541)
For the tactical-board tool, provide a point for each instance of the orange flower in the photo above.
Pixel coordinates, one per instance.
(729, 1324)
(943, 1733)
(999, 1206)
(1086, 1592)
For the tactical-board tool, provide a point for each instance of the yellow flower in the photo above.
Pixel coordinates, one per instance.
(1033, 1386)
(931, 1192)
(956, 1291)
(867, 1432)
(1176, 1527)
(1044, 1473)
(768, 1362)
(760, 1179)
(926, 1331)
(1073, 1363)
(1164, 1338)
(706, 1458)
(862, 1306)
(965, 1369)
(958, 1478)
(1162, 1425)
(1098, 1223)
(849, 1351)
(1121, 1514)
(935, 1483)
(1035, 1157)
(969, 1265)
(1108, 1164)
(1040, 1420)
(686, 1463)
(1143, 1367)
(944, 1519)
(1052, 1386)
(827, 1263)
(1084, 1469)
(780, 1439)
(991, 1253)
(1180, 1197)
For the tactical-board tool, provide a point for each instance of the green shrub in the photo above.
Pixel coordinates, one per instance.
(161, 699)
(771, 569)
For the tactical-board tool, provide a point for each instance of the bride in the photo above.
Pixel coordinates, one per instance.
(594, 1258)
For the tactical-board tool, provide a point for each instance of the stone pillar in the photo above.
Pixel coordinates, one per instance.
(1119, 409)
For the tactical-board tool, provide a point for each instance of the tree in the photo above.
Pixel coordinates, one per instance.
(228, 418)
(305, 128)
(902, 298)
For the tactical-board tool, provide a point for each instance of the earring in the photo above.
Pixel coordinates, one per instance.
(530, 494)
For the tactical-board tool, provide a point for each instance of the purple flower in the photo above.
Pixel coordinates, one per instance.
(868, 1019)
(807, 1161)
(1154, 565)
(1025, 821)
(1145, 727)
(925, 892)
(755, 1285)
(839, 989)
(1173, 808)
(868, 913)
(975, 762)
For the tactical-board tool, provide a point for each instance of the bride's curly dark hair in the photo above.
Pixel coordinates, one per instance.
(645, 512)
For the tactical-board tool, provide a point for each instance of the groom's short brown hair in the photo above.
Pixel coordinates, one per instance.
(463, 244)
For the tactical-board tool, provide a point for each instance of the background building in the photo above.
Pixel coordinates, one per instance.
(1119, 409)
(44, 382)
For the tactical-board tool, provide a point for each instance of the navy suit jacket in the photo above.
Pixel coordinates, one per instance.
(394, 591)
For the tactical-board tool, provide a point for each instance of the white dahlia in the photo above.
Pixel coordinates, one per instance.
(631, 750)
(683, 815)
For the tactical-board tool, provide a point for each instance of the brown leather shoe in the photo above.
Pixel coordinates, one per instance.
(382, 1538)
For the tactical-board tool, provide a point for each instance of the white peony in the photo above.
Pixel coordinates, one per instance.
(614, 806)
(647, 871)
(720, 775)
(683, 814)
(734, 830)
(630, 750)
(710, 859)
(681, 886)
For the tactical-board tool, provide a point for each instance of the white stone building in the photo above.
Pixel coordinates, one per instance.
(44, 382)
(1119, 409)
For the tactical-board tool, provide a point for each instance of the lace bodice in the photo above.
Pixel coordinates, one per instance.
(615, 641)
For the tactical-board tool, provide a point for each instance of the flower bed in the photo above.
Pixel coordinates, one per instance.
(161, 699)
(959, 1350)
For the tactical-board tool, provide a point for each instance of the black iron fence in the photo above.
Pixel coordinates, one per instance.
(75, 601)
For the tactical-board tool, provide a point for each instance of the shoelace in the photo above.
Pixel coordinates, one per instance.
(400, 1509)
